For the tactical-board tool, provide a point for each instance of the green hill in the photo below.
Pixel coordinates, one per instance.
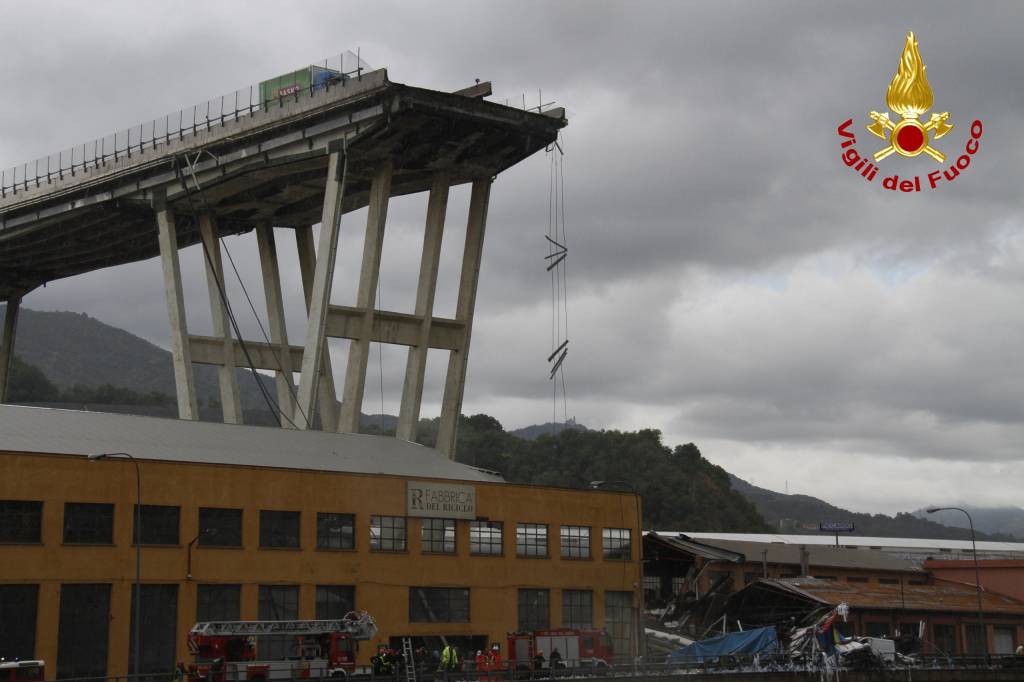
(802, 513)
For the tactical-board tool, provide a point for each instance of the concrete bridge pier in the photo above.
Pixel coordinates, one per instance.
(7, 344)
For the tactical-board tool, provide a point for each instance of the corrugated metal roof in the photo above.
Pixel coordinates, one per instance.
(940, 596)
(685, 546)
(856, 541)
(69, 432)
(829, 557)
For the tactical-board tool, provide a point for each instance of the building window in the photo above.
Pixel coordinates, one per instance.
(437, 536)
(826, 577)
(534, 610)
(220, 527)
(575, 542)
(88, 524)
(334, 601)
(532, 540)
(876, 629)
(888, 581)
(615, 543)
(618, 621)
(159, 525)
(678, 584)
(19, 603)
(387, 533)
(335, 531)
(485, 538)
(279, 529)
(21, 522)
(577, 609)
(750, 577)
(83, 630)
(218, 602)
(278, 602)
(438, 604)
(1002, 640)
(975, 643)
(158, 627)
(652, 583)
(944, 639)
(856, 579)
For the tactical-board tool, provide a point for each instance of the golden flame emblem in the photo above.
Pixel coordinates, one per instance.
(910, 95)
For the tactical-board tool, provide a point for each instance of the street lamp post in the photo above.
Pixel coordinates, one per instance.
(640, 639)
(977, 573)
(138, 550)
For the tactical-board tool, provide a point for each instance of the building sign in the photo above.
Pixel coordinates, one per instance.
(835, 527)
(440, 500)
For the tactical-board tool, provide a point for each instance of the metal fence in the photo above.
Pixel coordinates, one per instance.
(626, 669)
(244, 102)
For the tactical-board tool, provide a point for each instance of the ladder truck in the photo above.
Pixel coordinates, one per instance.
(264, 651)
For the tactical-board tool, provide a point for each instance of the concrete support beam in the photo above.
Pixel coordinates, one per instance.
(7, 344)
(323, 274)
(416, 363)
(226, 375)
(326, 395)
(455, 380)
(184, 384)
(278, 332)
(366, 297)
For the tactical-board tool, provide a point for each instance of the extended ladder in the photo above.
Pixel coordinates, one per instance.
(410, 660)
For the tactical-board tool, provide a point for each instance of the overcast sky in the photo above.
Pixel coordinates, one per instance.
(731, 282)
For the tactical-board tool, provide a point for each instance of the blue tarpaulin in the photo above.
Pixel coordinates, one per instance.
(759, 641)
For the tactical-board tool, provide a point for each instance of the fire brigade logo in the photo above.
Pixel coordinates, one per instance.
(910, 95)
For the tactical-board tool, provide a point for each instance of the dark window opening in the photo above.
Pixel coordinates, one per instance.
(220, 527)
(577, 609)
(88, 523)
(21, 521)
(438, 604)
(83, 630)
(18, 608)
(159, 525)
(335, 531)
(534, 610)
(334, 601)
(158, 628)
(218, 602)
(279, 529)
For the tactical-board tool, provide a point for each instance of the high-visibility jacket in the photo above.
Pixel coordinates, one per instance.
(450, 658)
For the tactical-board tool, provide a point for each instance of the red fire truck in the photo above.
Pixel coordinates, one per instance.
(262, 651)
(578, 648)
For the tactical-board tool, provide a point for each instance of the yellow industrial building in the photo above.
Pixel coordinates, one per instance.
(242, 522)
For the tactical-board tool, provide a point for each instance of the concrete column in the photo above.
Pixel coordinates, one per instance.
(184, 384)
(328, 398)
(323, 274)
(455, 380)
(366, 297)
(7, 344)
(416, 364)
(226, 375)
(278, 332)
